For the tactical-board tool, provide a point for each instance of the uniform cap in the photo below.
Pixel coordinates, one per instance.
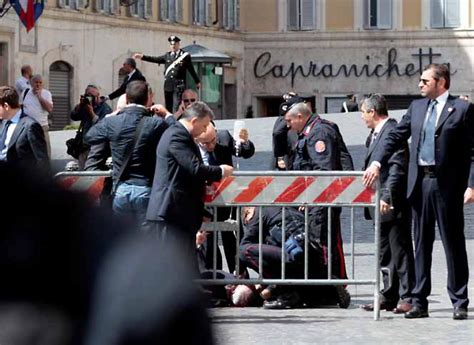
(290, 103)
(173, 39)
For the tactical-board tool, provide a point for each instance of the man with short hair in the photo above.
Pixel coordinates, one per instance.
(89, 109)
(176, 207)
(177, 62)
(396, 252)
(24, 81)
(440, 179)
(188, 97)
(21, 137)
(38, 103)
(133, 184)
(350, 104)
(129, 67)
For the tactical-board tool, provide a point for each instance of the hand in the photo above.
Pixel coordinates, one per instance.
(90, 110)
(228, 170)
(159, 110)
(371, 175)
(469, 195)
(138, 56)
(244, 135)
(301, 208)
(201, 237)
(198, 85)
(384, 207)
(248, 213)
(281, 163)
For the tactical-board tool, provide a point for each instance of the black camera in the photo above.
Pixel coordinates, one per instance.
(87, 99)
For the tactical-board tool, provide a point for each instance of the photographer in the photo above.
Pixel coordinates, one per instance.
(90, 109)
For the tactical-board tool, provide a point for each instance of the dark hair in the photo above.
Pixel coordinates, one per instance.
(25, 69)
(9, 95)
(440, 71)
(131, 62)
(137, 92)
(199, 110)
(375, 101)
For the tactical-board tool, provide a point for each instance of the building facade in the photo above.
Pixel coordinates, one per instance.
(322, 49)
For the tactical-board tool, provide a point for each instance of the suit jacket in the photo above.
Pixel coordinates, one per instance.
(121, 90)
(225, 148)
(179, 182)
(177, 75)
(393, 176)
(454, 141)
(27, 146)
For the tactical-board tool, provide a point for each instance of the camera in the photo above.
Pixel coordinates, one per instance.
(87, 99)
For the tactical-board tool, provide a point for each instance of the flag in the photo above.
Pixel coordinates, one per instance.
(29, 11)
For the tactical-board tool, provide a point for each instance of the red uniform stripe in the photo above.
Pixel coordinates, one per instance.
(67, 182)
(254, 188)
(295, 189)
(217, 188)
(334, 189)
(365, 196)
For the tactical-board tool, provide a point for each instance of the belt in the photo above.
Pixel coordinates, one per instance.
(428, 171)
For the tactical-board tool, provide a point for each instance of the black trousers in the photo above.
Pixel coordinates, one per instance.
(173, 99)
(396, 259)
(428, 207)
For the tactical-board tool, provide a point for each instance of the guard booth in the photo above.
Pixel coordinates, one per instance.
(209, 67)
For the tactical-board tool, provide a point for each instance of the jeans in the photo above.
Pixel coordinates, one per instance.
(131, 201)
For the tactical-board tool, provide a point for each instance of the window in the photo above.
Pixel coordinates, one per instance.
(445, 14)
(202, 12)
(378, 14)
(301, 14)
(72, 4)
(108, 6)
(142, 9)
(231, 14)
(171, 10)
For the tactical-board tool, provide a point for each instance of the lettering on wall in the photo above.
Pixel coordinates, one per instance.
(264, 67)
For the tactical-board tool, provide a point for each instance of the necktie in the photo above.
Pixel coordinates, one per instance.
(211, 159)
(428, 143)
(3, 136)
(368, 141)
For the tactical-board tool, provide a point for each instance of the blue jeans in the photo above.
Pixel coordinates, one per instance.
(131, 201)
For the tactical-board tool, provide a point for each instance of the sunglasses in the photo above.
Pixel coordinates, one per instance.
(190, 100)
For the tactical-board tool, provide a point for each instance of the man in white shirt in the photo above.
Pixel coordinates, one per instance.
(38, 103)
(24, 81)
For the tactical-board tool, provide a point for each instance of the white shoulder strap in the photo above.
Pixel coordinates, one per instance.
(175, 62)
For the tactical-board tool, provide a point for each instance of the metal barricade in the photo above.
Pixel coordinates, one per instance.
(273, 188)
(297, 188)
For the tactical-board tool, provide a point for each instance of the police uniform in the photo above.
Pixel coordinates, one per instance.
(176, 65)
(318, 148)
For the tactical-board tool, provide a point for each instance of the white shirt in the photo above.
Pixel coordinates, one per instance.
(204, 155)
(21, 84)
(378, 128)
(441, 99)
(33, 108)
(14, 121)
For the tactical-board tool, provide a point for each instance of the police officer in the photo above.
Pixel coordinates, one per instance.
(317, 148)
(177, 62)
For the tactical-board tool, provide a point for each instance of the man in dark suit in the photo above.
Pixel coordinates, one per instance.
(349, 104)
(22, 139)
(176, 208)
(440, 176)
(177, 62)
(396, 256)
(129, 67)
(218, 147)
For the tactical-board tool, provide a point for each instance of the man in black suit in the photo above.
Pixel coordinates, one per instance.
(177, 62)
(440, 177)
(176, 208)
(129, 67)
(349, 104)
(218, 147)
(22, 139)
(396, 256)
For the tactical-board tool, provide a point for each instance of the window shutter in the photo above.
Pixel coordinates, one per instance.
(225, 13)
(163, 9)
(172, 10)
(231, 16)
(179, 10)
(113, 6)
(452, 15)
(237, 15)
(149, 9)
(437, 7)
(61, 3)
(366, 13)
(201, 11)
(78, 4)
(307, 14)
(293, 18)
(208, 12)
(384, 14)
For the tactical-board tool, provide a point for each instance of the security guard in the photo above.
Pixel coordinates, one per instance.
(177, 62)
(317, 148)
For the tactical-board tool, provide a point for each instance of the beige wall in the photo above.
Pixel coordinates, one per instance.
(471, 20)
(259, 15)
(340, 15)
(411, 14)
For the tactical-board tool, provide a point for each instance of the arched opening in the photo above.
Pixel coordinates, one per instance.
(60, 76)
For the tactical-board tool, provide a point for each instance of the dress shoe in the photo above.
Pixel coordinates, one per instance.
(287, 300)
(343, 297)
(383, 306)
(402, 308)
(416, 313)
(460, 314)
